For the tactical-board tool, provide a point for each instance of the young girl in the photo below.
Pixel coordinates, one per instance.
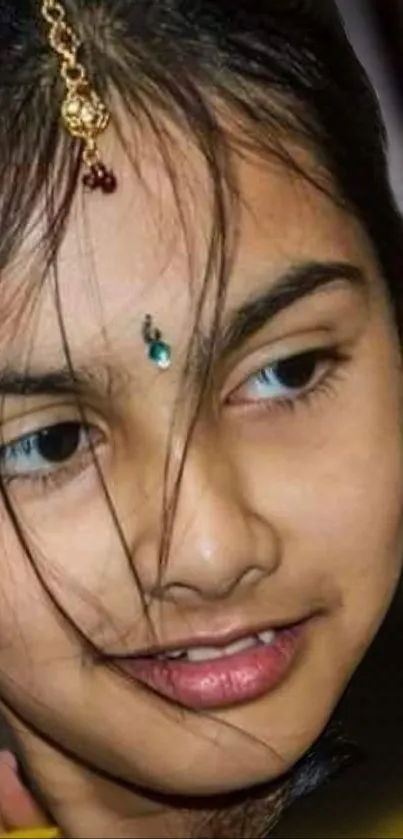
(201, 429)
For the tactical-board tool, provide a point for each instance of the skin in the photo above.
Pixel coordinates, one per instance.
(283, 513)
(18, 810)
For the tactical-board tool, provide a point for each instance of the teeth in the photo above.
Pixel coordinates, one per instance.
(207, 653)
(197, 654)
(174, 654)
(240, 646)
(267, 636)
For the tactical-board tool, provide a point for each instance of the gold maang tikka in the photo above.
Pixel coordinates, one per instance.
(83, 112)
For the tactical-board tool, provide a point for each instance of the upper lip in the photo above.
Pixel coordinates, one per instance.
(218, 639)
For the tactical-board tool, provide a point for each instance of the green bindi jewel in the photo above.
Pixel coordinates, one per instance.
(158, 351)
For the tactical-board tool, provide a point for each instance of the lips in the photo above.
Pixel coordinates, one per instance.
(202, 677)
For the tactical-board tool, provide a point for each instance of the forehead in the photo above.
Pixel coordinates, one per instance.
(146, 248)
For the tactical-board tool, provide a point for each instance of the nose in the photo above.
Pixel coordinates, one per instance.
(218, 545)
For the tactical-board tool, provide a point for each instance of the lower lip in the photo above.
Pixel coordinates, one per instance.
(220, 682)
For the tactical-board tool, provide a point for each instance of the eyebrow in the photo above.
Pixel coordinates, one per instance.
(61, 381)
(298, 282)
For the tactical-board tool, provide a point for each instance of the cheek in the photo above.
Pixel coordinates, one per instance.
(331, 486)
(31, 635)
(83, 564)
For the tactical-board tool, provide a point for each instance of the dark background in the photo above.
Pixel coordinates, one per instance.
(376, 29)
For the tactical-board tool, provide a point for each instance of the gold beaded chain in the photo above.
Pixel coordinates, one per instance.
(83, 113)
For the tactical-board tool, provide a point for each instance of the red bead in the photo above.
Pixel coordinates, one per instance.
(89, 180)
(109, 183)
(99, 177)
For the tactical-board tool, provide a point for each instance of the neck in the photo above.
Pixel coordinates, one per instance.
(109, 811)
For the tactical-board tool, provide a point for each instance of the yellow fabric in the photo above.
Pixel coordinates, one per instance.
(316, 824)
(36, 833)
(392, 829)
(388, 830)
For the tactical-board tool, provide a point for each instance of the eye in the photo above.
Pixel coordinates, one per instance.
(288, 379)
(44, 451)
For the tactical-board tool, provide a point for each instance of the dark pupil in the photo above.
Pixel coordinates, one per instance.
(297, 372)
(60, 442)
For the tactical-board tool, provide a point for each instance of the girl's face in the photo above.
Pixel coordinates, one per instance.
(289, 516)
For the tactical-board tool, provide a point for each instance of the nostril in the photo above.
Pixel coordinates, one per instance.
(252, 576)
(208, 589)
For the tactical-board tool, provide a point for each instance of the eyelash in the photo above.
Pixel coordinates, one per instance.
(57, 475)
(325, 384)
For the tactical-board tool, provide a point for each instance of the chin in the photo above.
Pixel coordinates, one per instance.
(216, 777)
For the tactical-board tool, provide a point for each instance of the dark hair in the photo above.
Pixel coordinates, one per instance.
(278, 69)
(281, 67)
